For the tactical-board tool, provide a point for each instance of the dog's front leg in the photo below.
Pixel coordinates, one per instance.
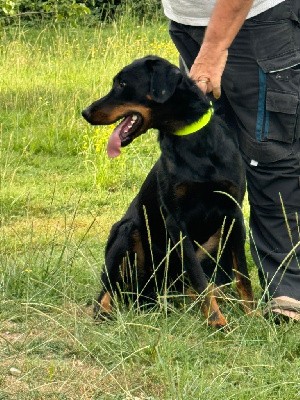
(195, 272)
(124, 248)
(117, 247)
(103, 306)
(243, 282)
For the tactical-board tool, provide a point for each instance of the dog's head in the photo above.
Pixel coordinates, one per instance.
(138, 91)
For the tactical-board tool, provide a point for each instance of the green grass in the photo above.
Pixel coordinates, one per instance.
(59, 194)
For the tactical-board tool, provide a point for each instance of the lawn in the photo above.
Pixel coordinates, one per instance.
(59, 195)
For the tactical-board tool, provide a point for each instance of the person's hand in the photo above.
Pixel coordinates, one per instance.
(208, 68)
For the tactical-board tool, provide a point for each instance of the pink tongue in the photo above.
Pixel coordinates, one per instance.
(114, 142)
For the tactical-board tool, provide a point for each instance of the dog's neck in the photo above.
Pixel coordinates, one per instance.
(187, 111)
(197, 125)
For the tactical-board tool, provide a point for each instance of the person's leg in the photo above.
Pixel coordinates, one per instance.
(274, 194)
(262, 83)
(187, 40)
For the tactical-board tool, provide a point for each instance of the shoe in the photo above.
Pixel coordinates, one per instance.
(283, 309)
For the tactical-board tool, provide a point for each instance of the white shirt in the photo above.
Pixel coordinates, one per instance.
(197, 12)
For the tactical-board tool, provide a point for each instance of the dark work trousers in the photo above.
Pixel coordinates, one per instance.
(260, 100)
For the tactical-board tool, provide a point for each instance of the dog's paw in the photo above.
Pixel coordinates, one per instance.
(217, 320)
(100, 314)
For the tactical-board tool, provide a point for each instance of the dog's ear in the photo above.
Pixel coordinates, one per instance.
(164, 79)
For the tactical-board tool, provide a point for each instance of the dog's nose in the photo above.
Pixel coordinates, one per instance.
(85, 113)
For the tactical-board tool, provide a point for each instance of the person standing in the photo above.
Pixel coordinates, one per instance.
(246, 54)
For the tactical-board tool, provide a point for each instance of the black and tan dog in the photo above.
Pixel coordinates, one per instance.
(193, 192)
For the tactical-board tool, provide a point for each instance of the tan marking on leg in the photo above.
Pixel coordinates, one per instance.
(243, 285)
(105, 303)
(209, 307)
(192, 294)
(209, 246)
(138, 248)
(212, 311)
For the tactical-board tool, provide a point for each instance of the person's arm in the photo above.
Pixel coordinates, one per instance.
(226, 20)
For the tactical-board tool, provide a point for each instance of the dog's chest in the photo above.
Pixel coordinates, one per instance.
(200, 208)
(196, 199)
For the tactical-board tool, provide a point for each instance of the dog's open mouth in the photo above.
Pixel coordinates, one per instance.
(124, 134)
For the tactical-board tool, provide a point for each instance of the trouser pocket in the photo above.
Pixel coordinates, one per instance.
(275, 38)
(279, 87)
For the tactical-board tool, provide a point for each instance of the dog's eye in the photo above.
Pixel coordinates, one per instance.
(122, 84)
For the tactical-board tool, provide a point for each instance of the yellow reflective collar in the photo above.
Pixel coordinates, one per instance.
(197, 125)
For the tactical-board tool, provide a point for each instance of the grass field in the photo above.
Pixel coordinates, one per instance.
(59, 196)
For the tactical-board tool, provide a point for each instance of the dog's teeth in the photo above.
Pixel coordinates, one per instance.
(134, 118)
